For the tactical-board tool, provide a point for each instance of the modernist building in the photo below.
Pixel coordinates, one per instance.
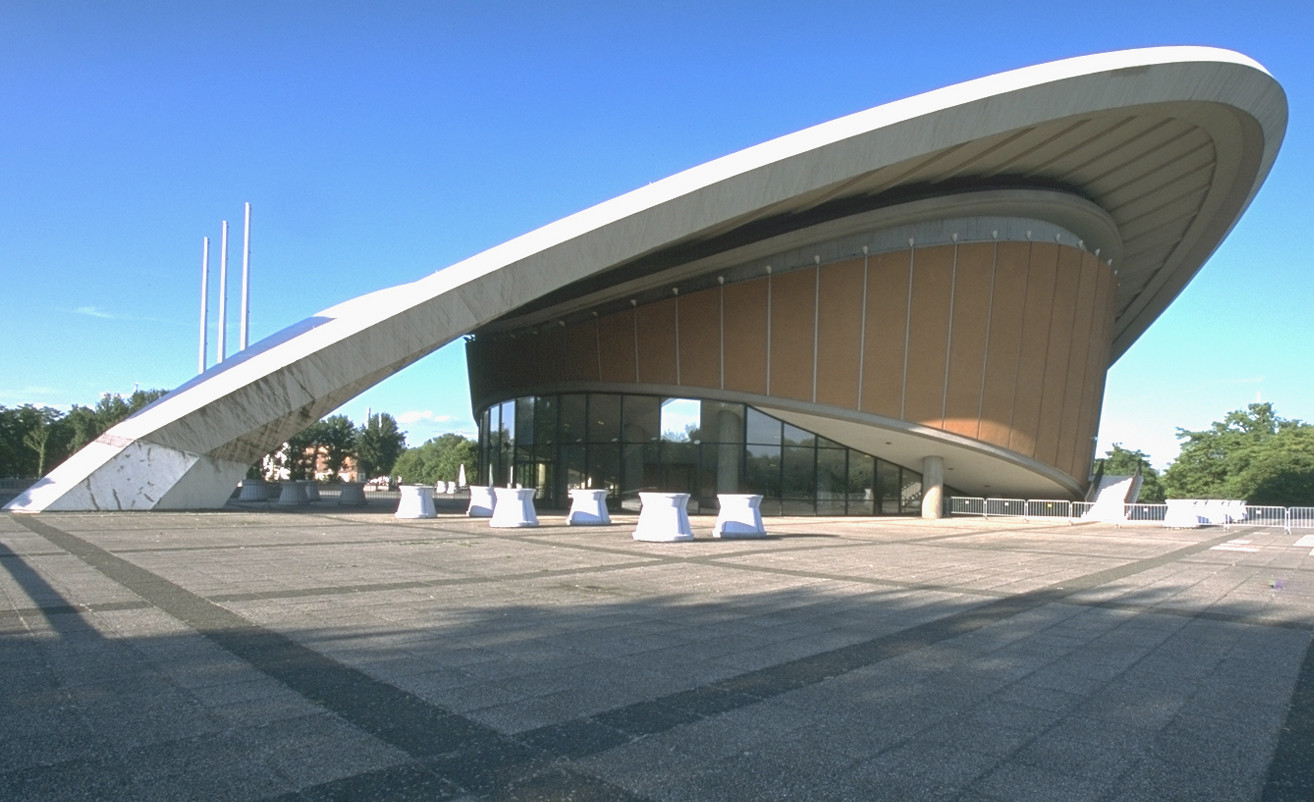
(847, 319)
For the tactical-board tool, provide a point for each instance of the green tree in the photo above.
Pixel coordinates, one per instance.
(378, 444)
(300, 453)
(336, 439)
(34, 439)
(1251, 454)
(1119, 461)
(438, 459)
(38, 436)
(31, 439)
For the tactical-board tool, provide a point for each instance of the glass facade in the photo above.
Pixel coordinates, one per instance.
(632, 443)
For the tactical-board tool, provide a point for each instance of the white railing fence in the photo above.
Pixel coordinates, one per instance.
(1300, 518)
(1037, 508)
(1203, 512)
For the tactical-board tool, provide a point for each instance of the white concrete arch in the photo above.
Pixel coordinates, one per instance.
(1209, 121)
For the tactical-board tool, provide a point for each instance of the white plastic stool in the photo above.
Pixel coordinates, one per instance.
(482, 502)
(740, 516)
(588, 508)
(514, 508)
(663, 517)
(352, 495)
(292, 493)
(253, 490)
(416, 502)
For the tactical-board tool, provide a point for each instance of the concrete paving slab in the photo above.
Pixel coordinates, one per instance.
(315, 653)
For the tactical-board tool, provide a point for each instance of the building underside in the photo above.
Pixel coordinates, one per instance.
(938, 285)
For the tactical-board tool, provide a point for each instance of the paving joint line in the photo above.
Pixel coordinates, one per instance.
(409, 722)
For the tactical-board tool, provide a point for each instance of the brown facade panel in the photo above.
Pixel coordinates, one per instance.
(1008, 343)
(548, 348)
(700, 338)
(1052, 428)
(580, 360)
(1071, 441)
(1097, 360)
(1008, 297)
(793, 307)
(887, 331)
(969, 333)
(928, 335)
(616, 346)
(839, 334)
(745, 335)
(656, 333)
(515, 360)
(1036, 314)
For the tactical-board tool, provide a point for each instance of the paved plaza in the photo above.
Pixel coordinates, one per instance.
(316, 654)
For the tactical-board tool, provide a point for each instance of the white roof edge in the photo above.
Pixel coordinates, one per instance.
(857, 123)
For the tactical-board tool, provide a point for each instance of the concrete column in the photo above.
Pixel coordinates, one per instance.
(932, 487)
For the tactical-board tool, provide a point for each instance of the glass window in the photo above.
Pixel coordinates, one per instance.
(485, 432)
(680, 418)
(525, 421)
(762, 470)
(831, 476)
(604, 467)
(708, 479)
(604, 418)
(643, 418)
(721, 422)
(632, 443)
(634, 460)
(576, 474)
(911, 492)
(798, 437)
(888, 486)
(861, 483)
(574, 420)
(798, 479)
(762, 429)
(507, 421)
(545, 420)
(679, 468)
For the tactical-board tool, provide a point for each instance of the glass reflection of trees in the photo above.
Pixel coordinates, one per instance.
(632, 443)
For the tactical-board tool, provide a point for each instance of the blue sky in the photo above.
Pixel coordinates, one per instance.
(378, 142)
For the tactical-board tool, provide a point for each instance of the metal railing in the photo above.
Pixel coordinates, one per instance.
(1037, 508)
(1137, 513)
(1226, 514)
(1258, 516)
(1300, 518)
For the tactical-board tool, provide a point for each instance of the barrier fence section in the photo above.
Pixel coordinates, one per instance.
(1300, 518)
(1006, 507)
(1144, 512)
(1238, 514)
(1039, 508)
(966, 505)
(1258, 516)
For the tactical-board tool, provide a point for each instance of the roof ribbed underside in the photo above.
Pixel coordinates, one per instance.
(1151, 169)
(1152, 174)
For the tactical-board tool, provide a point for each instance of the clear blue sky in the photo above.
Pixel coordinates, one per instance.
(378, 142)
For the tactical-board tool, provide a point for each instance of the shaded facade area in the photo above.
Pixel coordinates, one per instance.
(997, 347)
(632, 443)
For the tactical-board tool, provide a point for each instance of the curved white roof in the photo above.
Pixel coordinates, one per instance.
(1170, 143)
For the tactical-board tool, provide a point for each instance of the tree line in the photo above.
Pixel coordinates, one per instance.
(35, 439)
(1252, 454)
